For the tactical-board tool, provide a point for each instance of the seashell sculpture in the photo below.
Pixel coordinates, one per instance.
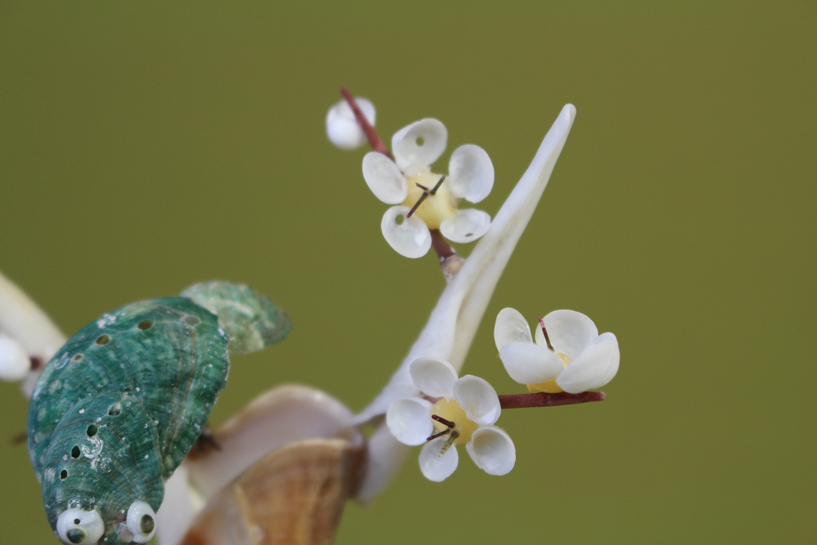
(120, 405)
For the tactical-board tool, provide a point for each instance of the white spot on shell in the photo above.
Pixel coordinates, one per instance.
(41, 414)
(62, 362)
(92, 447)
(54, 386)
(146, 456)
(82, 411)
(106, 320)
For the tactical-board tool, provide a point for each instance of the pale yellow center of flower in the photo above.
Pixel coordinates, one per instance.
(435, 208)
(451, 411)
(550, 386)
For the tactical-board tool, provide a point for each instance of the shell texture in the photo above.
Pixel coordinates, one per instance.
(121, 404)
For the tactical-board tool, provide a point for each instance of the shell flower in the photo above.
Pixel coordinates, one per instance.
(568, 354)
(464, 413)
(408, 181)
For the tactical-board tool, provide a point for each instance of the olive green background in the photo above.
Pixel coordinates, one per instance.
(145, 146)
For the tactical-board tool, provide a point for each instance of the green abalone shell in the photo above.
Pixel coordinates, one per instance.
(123, 401)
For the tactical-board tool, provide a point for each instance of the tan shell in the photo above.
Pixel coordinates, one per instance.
(295, 495)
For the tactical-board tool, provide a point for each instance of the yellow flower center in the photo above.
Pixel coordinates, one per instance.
(435, 208)
(550, 386)
(451, 411)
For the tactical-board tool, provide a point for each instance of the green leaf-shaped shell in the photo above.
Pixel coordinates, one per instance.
(251, 319)
(146, 376)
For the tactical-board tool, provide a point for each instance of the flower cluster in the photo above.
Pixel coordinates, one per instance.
(455, 411)
(425, 201)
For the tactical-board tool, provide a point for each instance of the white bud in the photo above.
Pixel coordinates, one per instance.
(14, 362)
(341, 125)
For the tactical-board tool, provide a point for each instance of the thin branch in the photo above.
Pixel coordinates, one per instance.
(371, 135)
(541, 399)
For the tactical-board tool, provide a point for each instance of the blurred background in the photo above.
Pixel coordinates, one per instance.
(147, 146)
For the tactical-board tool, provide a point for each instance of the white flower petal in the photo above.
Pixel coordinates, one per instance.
(510, 327)
(409, 420)
(466, 225)
(419, 144)
(410, 237)
(529, 363)
(478, 399)
(342, 127)
(435, 467)
(470, 173)
(569, 331)
(434, 377)
(594, 368)
(492, 450)
(384, 178)
(14, 362)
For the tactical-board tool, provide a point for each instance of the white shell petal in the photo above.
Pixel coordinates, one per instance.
(342, 127)
(510, 327)
(470, 173)
(529, 363)
(492, 450)
(478, 399)
(14, 362)
(409, 420)
(434, 377)
(90, 522)
(409, 238)
(594, 368)
(435, 467)
(384, 178)
(419, 144)
(569, 331)
(136, 512)
(466, 225)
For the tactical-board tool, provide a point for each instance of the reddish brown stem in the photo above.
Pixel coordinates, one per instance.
(444, 251)
(541, 399)
(371, 135)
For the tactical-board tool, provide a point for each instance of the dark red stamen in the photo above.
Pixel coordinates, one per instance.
(545, 331)
(444, 432)
(443, 421)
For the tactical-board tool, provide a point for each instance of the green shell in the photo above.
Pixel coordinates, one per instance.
(251, 319)
(123, 401)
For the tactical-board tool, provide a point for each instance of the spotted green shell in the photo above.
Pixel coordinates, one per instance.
(123, 401)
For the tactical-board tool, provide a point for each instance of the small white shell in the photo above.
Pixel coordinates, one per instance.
(79, 527)
(141, 522)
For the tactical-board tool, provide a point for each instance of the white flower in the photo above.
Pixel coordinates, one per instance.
(572, 358)
(342, 128)
(465, 413)
(408, 180)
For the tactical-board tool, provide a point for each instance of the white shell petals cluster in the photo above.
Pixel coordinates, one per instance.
(580, 360)
(342, 128)
(409, 420)
(415, 148)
